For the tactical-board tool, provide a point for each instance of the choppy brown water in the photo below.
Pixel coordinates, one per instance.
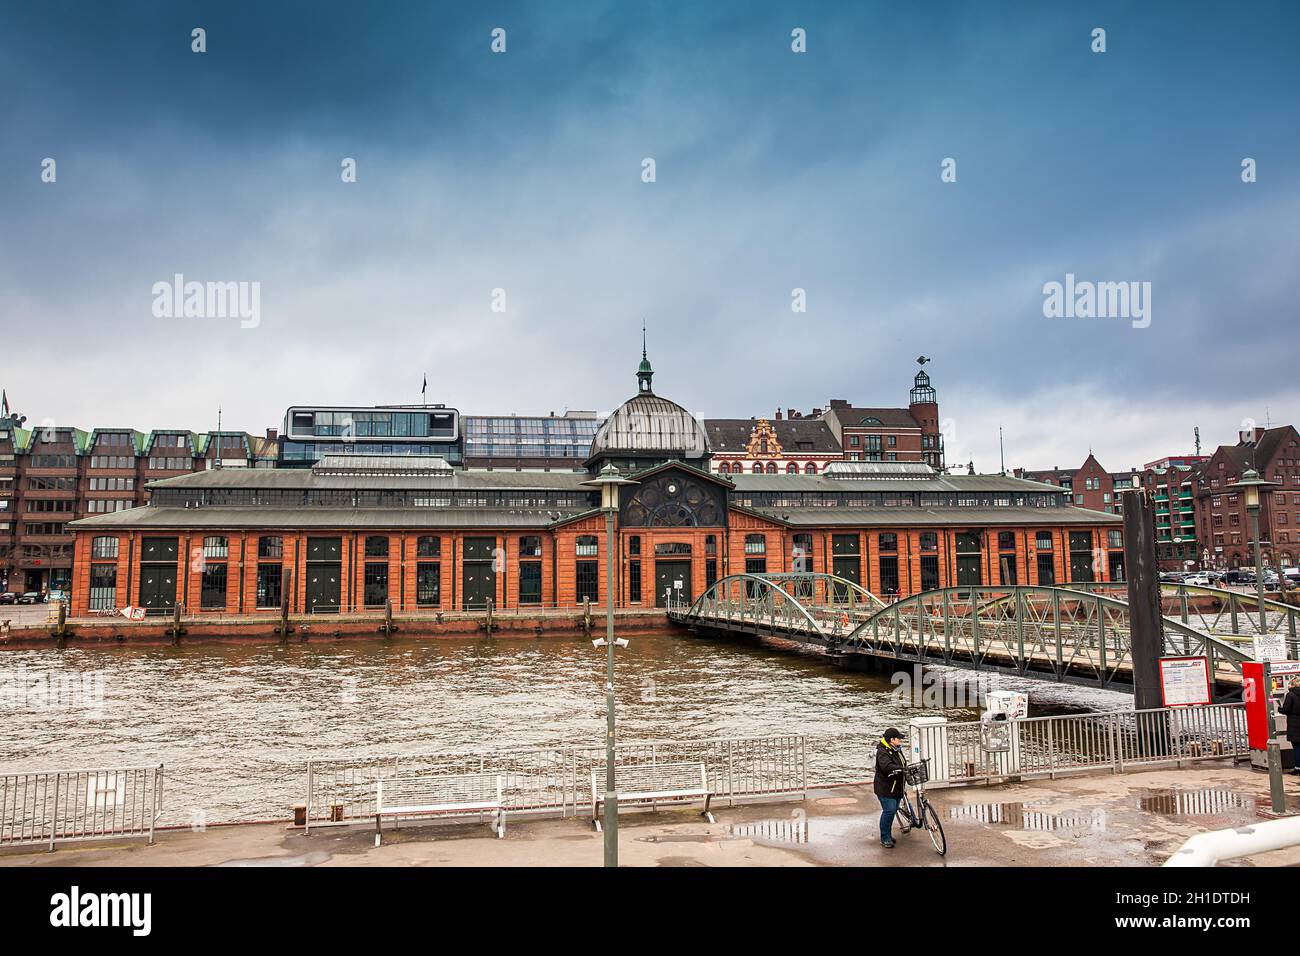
(234, 724)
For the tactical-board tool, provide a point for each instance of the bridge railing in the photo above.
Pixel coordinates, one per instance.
(807, 603)
(1222, 612)
(59, 806)
(1066, 633)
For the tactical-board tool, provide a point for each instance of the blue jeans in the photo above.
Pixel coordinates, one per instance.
(890, 806)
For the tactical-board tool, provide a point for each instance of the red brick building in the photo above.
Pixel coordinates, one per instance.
(1168, 483)
(1090, 485)
(50, 476)
(890, 434)
(1222, 521)
(354, 532)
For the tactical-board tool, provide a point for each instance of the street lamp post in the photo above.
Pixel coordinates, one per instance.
(609, 481)
(1251, 484)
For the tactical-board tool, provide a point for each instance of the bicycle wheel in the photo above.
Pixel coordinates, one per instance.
(908, 819)
(930, 818)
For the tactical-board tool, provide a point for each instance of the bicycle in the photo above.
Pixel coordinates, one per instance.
(924, 816)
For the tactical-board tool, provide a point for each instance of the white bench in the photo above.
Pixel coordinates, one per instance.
(653, 784)
(456, 795)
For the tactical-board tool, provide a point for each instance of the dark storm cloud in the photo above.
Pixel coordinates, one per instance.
(775, 171)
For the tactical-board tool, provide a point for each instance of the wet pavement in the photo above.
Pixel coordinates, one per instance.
(1134, 819)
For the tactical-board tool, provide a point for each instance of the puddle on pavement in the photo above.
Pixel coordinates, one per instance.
(1194, 803)
(679, 838)
(798, 829)
(1032, 815)
(1037, 815)
(789, 831)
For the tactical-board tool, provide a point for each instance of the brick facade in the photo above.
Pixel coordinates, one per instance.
(559, 560)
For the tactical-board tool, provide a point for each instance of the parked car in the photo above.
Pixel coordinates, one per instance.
(29, 597)
(1201, 579)
(8, 597)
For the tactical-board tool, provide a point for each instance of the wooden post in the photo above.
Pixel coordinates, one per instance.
(286, 589)
(61, 628)
(1146, 632)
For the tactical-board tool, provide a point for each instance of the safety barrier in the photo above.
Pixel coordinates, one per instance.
(1115, 741)
(61, 806)
(558, 779)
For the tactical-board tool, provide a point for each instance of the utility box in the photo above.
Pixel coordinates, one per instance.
(1000, 730)
(928, 739)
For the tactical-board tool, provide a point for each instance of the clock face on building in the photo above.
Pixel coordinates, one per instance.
(674, 501)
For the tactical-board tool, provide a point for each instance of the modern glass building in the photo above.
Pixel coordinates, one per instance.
(548, 442)
(313, 431)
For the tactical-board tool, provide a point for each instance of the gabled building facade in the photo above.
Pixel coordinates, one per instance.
(1223, 522)
(777, 446)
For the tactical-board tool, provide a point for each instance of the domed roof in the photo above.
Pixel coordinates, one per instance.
(649, 425)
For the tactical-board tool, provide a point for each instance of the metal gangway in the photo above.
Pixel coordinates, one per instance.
(1062, 634)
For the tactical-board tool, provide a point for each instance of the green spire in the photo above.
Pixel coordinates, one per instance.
(644, 372)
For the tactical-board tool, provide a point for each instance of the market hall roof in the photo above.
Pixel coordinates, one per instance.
(647, 424)
(906, 480)
(936, 517)
(413, 519)
(429, 497)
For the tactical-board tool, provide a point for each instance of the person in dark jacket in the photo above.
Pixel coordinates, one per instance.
(1291, 707)
(889, 784)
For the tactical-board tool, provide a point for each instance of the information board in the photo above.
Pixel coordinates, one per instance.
(1184, 681)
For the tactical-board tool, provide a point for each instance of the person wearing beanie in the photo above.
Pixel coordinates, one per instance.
(889, 783)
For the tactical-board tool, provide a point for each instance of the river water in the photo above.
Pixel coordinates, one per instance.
(234, 723)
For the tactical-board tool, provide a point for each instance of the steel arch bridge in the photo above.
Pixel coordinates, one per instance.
(1232, 616)
(1057, 634)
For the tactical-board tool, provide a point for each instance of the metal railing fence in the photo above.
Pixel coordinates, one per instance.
(1115, 741)
(60, 806)
(558, 778)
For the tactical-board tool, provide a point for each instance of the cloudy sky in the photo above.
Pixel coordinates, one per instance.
(775, 171)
